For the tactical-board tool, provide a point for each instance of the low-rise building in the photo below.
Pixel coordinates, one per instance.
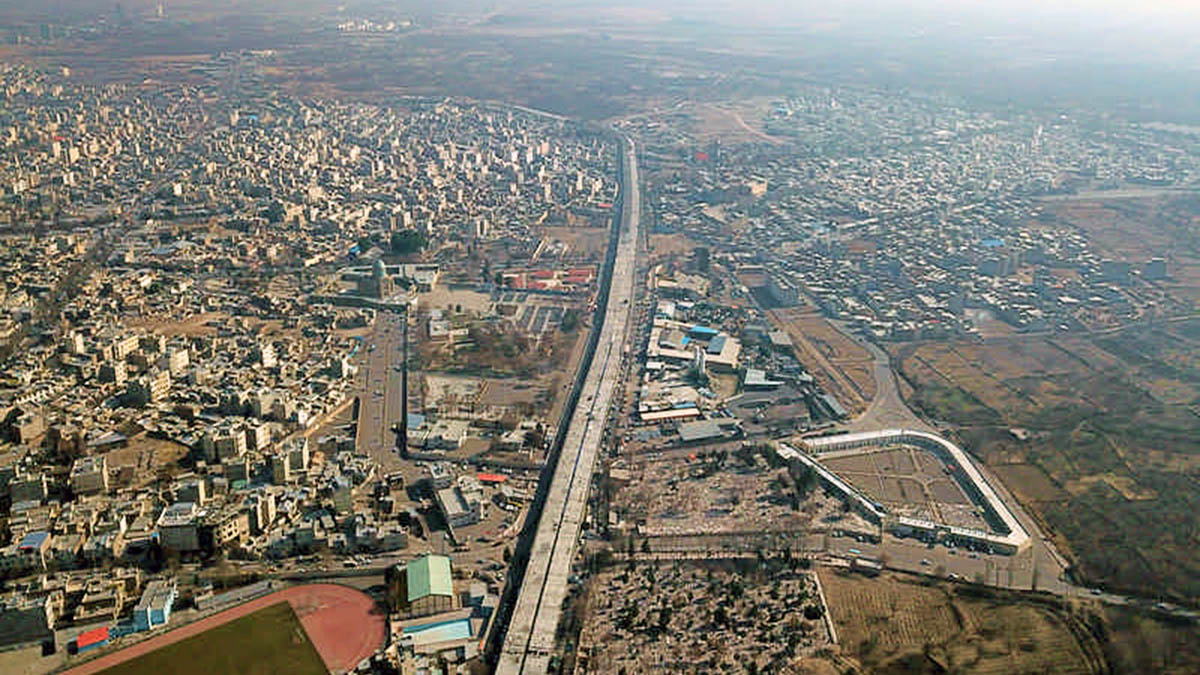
(89, 475)
(154, 609)
(425, 586)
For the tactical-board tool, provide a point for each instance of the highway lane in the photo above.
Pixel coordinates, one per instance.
(378, 384)
(529, 642)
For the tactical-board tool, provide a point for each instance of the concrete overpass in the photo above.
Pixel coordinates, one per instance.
(529, 642)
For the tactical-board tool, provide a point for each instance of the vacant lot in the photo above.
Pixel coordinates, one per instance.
(841, 365)
(581, 242)
(732, 122)
(902, 625)
(1107, 443)
(672, 244)
(193, 326)
(268, 641)
(144, 457)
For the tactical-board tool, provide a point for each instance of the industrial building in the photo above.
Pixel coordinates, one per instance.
(704, 431)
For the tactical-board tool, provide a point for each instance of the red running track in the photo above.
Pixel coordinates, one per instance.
(343, 624)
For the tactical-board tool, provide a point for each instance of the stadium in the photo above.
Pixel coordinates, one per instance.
(312, 628)
(928, 488)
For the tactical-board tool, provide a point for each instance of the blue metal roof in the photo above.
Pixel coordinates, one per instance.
(441, 631)
(34, 539)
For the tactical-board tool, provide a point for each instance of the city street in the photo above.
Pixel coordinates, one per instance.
(378, 381)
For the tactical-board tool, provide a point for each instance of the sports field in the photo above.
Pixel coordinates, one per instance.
(270, 640)
(313, 628)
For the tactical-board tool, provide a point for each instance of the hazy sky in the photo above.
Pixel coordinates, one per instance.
(1085, 11)
(1157, 30)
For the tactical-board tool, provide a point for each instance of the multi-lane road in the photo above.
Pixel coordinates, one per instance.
(380, 402)
(529, 642)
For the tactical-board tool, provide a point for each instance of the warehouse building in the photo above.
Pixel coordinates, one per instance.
(423, 587)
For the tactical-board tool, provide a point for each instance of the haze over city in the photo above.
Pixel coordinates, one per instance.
(573, 336)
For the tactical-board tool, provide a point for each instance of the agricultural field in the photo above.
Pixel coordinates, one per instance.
(1099, 437)
(897, 624)
(701, 617)
(1143, 642)
(268, 641)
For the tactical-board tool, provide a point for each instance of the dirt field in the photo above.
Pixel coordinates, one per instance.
(842, 366)
(143, 457)
(909, 481)
(732, 123)
(444, 297)
(671, 244)
(191, 327)
(588, 242)
(26, 661)
(896, 621)
(342, 624)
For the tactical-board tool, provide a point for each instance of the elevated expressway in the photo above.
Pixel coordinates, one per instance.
(529, 642)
